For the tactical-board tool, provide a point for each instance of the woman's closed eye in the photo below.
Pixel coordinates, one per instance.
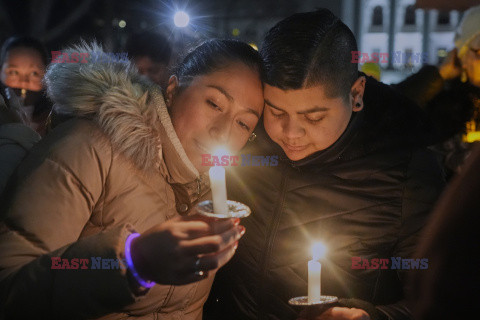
(213, 105)
(243, 125)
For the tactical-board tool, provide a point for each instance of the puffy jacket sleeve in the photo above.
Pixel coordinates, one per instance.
(423, 185)
(46, 216)
(15, 140)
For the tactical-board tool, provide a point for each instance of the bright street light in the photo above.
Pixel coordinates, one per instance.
(181, 19)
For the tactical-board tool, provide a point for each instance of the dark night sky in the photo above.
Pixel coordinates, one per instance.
(51, 20)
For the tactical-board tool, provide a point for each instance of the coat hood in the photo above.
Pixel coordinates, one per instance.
(126, 106)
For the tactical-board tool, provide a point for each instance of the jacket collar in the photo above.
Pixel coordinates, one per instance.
(175, 165)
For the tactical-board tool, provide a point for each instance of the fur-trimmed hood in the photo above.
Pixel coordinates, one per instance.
(127, 107)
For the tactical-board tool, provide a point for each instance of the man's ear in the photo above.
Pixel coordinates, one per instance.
(172, 87)
(356, 94)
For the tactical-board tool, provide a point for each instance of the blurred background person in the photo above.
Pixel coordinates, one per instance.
(23, 62)
(151, 53)
(451, 94)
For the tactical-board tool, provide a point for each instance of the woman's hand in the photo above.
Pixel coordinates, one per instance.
(341, 313)
(451, 67)
(183, 250)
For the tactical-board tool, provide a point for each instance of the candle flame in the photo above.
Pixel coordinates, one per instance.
(318, 250)
(220, 152)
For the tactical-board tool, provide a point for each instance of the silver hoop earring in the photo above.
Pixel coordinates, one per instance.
(253, 136)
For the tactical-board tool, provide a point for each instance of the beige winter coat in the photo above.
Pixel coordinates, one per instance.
(117, 166)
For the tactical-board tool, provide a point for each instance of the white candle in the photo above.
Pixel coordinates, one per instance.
(219, 189)
(314, 273)
(314, 285)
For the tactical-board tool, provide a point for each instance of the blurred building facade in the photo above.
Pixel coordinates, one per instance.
(409, 35)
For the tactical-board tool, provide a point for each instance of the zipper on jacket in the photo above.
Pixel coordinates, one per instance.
(270, 239)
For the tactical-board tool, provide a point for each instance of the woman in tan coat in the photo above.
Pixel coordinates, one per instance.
(124, 161)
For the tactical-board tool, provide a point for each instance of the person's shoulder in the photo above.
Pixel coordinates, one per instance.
(18, 133)
(78, 132)
(392, 116)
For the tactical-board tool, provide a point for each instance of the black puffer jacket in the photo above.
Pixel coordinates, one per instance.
(367, 196)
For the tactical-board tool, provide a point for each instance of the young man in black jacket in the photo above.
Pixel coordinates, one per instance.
(354, 172)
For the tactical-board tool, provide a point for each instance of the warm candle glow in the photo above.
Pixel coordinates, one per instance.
(318, 251)
(220, 151)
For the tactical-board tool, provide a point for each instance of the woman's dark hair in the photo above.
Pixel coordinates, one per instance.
(308, 49)
(23, 42)
(215, 54)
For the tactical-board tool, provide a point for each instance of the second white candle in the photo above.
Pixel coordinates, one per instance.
(315, 273)
(314, 281)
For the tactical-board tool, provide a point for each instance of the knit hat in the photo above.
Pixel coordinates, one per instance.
(468, 29)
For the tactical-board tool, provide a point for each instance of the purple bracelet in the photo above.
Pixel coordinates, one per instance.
(128, 257)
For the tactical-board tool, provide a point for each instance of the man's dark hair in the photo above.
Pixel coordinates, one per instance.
(309, 49)
(153, 45)
(24, 42)
(213, 55)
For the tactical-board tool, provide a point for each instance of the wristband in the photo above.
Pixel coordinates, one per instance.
(128, 257)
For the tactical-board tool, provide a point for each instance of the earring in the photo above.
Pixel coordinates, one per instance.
(463, 76)
(253, 136)
(167, 101)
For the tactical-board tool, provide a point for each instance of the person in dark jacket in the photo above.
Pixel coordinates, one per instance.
(15, 137)
(23, 61)
(354, 173)
(450, 94)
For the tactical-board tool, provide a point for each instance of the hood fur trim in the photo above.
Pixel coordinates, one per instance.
(116, 97)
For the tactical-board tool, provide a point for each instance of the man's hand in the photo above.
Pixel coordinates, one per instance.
(340, 313)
